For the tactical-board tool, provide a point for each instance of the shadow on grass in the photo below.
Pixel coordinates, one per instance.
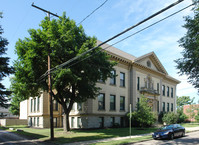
(29, 135)
(95, 134)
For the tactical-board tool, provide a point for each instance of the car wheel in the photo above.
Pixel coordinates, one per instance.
(183, 134)
(171, 136)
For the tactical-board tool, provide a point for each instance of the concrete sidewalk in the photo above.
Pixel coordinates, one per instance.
(190, 129)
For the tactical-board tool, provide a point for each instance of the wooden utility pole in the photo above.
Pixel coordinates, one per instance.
(49, 79)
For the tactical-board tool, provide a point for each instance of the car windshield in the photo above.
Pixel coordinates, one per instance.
(166, 127)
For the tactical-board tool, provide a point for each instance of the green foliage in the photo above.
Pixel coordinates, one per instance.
(143, 117)
(181, 116)
(75, 82)
(188, 65)
(191, 111)
(5, 69)
(197, 117)
(170, 118)
(184, 100)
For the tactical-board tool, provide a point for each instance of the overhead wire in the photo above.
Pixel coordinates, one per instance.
(131, 35)
(117, 35)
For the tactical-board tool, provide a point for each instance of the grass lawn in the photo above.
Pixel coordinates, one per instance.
(124, 141)
(190, 124)
(79, 135)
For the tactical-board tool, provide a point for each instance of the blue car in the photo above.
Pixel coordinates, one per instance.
(169, 132)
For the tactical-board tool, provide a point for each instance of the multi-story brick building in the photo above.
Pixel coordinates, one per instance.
(136, 76)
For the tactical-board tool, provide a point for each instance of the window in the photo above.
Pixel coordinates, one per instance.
(30, 121)
(113, 78)
(38, 103)
(55, 105)
(112, 102)
(101, 102)
(79, 122)
(171, 92)
(79, 106)
(31, 105)
(158, 87)
(163, 90)
(122, 103)
(34, 104)
(122, 79)
(101, 122)
(37, 121)
(163, 106)
(167, 107)
(138, 105)
(138, 83)
(158, 103)
(112, 121)
(172, 107)
(55, 122)
(72, 121)
(167, 91)
(122, 121)
(148, 63)
(34, 123)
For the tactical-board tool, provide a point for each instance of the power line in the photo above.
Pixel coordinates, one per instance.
(130, 35)
(128, 29)
(92, 12)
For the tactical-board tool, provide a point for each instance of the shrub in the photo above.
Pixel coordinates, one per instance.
(170, 118)
(143, 117)
(197, 117)
(181, 116)
(160, 116)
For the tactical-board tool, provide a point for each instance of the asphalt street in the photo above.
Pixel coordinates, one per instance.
(191, 138)
(9, 138)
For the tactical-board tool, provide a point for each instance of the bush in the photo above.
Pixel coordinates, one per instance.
(197, 117)
(181, 116)
(143, 117)
(170, 118)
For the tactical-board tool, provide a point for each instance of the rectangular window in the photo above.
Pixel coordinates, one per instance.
(37, 121)
(122, 79)
(101, 122)
(55, 122)
(167, 91)
(101, 102)
(79, 106)
(34, 104)
(55, 105)
(163, 106)
(34, 123)
(38, 103)
(158, 104)
(163, 90)
(138, 105)
(138, 83)
(112, 121)
(122, 103)
(167, 107)
(113, 79)
(112, 102)
(171, 107)
(72, 121)
(158, 88)
(31, 105)
(171, 92)
(79, 122)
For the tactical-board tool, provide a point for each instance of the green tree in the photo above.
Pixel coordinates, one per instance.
(197, 116)
(170, 118)
(64, 40)
(188, 64)
(181, 116)
(144, 117)
(184, 100)
(5, 69)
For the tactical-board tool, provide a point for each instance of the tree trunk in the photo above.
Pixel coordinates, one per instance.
(66, 124)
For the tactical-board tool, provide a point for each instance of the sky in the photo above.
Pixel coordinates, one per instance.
(110, 19)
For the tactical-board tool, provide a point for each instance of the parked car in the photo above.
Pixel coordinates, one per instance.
(169, 132)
